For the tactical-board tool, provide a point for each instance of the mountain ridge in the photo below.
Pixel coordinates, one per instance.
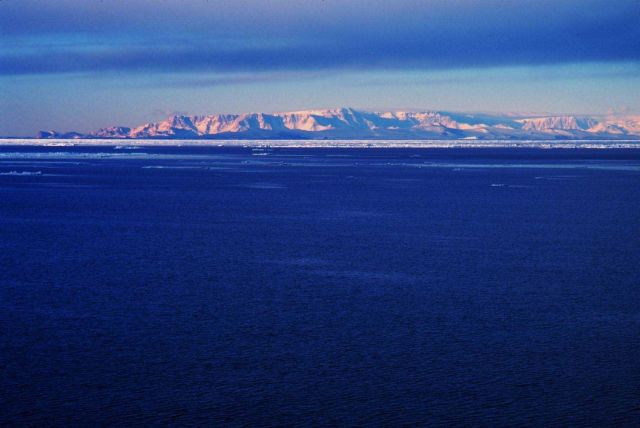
(349, 123)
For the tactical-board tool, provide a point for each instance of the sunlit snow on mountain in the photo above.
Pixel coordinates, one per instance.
(347, 123)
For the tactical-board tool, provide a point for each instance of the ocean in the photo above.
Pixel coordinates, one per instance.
(237, 286)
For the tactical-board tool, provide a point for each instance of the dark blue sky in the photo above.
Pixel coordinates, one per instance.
(84, 64)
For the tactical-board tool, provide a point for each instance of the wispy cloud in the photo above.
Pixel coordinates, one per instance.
(212, 80)
(406, 34)
(515, 74)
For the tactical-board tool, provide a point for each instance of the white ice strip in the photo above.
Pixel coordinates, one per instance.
(606, 165)
(542, 144)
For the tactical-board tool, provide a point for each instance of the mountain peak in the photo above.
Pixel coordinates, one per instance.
(349, 123)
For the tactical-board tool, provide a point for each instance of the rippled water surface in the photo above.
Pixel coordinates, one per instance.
(231, 286)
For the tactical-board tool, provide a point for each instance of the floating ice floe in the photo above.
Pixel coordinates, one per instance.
(21, 173)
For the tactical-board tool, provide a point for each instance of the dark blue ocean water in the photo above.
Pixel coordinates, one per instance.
(225, 286)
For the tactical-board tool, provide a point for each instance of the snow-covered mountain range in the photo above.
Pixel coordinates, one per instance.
(347, 123)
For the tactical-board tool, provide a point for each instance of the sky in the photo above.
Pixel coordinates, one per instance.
(85, 64)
